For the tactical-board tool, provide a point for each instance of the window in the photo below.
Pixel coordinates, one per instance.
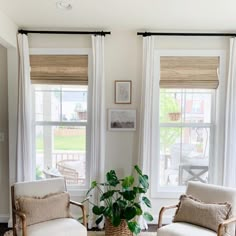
(185, 135)
(60, 131)
(60, 79)
(187, 108)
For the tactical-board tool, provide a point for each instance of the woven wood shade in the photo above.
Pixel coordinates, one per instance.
(59, 69)
(189, 72)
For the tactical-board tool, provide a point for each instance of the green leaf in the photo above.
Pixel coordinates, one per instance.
(147, 216)
(139, 210)
(134, 227)
(107, 211)
(122, 204)
(128, 195)
(96, 210)
(143, 180)
(128, 181)
(139, 190)
(115, 215)
(93, 184)
(138, 170)
(99, 220)
(107, 194)
(112, 178)
(147, 201)
(130, 213)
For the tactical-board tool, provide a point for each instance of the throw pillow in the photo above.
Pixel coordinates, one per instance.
(207, 215)
(50, 207)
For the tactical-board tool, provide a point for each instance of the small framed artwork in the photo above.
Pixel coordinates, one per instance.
(121, 120)
(123, 91)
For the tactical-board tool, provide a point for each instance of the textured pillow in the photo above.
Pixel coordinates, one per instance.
(193, 211)
(50, 207)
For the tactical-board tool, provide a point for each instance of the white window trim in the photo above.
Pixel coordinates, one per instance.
(74, 190)
(174, 192)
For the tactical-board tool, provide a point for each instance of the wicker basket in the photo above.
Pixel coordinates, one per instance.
(121, 230)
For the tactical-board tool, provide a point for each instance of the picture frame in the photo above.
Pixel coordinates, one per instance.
(123, 91)
(121, 119)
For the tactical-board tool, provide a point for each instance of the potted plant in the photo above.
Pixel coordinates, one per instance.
(121, 202)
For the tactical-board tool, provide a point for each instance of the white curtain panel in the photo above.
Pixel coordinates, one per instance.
(146, 112)
(230, 120)
(98, 120)
(24, 130)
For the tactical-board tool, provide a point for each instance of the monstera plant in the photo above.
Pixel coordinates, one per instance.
(121, 199)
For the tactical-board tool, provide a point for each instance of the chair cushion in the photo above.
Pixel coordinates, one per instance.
(184, 229)
(193, 211)
(50, 207)
(59, 227)
(39, 188)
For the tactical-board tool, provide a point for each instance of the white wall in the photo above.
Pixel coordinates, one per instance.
(8, 31)
(4, 156)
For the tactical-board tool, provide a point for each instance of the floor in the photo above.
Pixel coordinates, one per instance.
(4, 228)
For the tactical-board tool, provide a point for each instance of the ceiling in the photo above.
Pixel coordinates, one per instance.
(174, 15)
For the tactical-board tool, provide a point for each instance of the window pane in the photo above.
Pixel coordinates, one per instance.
(74, 104)
(170, 105)
(60, 103)
(169, 145)
(61, 150)
(184, 155)
(197, 106)
(47, 103)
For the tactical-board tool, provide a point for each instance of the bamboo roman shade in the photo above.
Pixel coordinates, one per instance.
(59, 69)
(189, 72)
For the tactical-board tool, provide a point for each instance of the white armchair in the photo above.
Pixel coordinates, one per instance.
(58, 227)
(206, 193)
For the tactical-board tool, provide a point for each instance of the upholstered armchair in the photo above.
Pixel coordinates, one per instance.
(204, 194)
(41, 208)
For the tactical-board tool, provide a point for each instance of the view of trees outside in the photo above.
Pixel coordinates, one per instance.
(61, 149)
(182, 140)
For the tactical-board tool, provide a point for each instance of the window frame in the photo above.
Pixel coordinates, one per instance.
(75, 190)
(173, 192)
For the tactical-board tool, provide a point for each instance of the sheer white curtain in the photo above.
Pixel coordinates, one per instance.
(146, 111)
(24, 170)
(98, 122)
(230, 120)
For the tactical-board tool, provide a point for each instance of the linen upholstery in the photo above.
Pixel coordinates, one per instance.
(37, 209)
(184, 229)
(59, 227)
(209, 193)
(39, 188)
(193, 211)
(206, 193)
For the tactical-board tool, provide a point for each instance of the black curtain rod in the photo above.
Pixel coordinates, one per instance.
(103, 33)
(145, 34)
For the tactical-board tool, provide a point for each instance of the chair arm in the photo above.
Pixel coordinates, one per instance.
(163, 209)
(83, 211)
(223, 224)
(23, 221)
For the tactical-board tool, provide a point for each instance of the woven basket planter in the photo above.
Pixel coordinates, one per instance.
(121, 230)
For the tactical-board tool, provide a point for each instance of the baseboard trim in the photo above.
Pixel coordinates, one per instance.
(4, 218)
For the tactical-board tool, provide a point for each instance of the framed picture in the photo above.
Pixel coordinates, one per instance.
(121, 120)
(123, 90)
